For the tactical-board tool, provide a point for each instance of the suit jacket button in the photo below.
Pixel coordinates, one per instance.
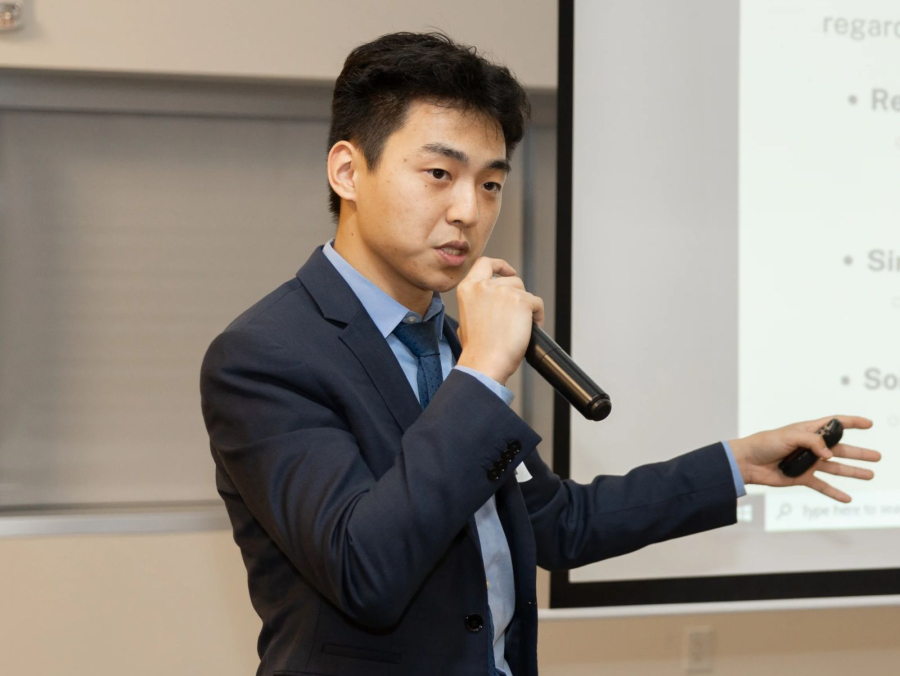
(514, 446)
(501, 464)
(507, 455)
(493, 474)
(474, 622)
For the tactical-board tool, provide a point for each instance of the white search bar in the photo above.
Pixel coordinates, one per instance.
(790, 511)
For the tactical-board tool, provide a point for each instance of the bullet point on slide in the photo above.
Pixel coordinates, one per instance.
(848, 260)
(852, 100)
(845, 380)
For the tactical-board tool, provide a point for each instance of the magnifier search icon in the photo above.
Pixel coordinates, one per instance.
(784, 510)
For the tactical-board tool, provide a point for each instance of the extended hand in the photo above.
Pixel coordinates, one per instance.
(758, 455)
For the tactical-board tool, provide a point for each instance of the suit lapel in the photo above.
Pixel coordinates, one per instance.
(338, 303)
(373, 352)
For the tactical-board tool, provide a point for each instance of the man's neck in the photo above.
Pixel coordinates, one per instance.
(351, 249)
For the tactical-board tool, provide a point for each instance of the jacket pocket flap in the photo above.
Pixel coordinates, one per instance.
(361, 653)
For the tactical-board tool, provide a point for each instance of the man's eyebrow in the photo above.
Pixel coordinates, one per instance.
(460, 156)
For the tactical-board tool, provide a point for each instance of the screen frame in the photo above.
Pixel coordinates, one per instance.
(669, 591)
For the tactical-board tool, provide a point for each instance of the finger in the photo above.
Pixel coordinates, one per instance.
(855, 453)
(839, 469)
(811, 440)
(515, 282)
(847, 421)
(486, 268)
(537, 310)
(827, 489)
(535, 303)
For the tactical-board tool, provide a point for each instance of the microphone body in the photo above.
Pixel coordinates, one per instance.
(558, 369)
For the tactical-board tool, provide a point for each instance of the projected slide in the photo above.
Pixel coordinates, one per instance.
(819, 244)
(735, 267)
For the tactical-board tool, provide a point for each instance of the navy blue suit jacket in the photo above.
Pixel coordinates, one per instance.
(350, 504)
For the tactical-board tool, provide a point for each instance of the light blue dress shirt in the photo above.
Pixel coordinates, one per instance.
(387, 313)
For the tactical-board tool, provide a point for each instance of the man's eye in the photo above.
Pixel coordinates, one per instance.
(438, 173)
(493, 187)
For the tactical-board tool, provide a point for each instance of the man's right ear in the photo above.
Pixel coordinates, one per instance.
(344, 161)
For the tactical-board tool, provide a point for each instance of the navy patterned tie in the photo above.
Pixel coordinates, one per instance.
(422, 340)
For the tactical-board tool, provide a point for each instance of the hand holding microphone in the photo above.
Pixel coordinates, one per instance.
(500, 324)
(495, 318)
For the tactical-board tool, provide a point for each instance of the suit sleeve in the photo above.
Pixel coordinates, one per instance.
(577, 524)
(365, 544)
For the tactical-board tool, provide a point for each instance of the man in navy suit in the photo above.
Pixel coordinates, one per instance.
(389, 506)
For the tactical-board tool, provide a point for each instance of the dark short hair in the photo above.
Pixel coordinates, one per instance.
(380, 80)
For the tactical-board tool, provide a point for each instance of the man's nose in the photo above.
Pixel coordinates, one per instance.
(463, 209)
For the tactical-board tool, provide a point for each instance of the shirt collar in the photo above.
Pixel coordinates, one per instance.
(386, 312)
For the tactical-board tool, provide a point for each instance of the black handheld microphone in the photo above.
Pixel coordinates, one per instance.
(558, 369)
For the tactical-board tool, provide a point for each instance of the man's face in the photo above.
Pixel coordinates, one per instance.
(426, 212)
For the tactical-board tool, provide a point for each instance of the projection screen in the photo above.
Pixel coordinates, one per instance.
(729, 261)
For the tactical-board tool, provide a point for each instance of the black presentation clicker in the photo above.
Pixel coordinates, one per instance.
(802, 459)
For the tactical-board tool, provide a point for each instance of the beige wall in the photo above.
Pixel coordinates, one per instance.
(272, 39)
(177, 604)
(139, 604)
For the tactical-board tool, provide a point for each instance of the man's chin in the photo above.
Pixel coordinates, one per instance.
(446, 283)
(443, 279)
(441, 288)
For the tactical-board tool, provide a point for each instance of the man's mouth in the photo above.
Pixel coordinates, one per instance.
(454, 253)
(455, 248)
